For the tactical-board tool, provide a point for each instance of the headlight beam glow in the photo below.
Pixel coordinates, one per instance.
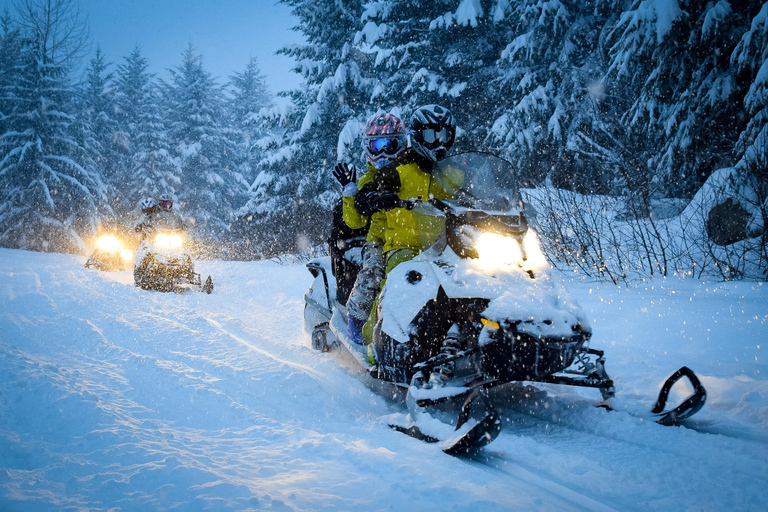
(108, 243)
(170, 241)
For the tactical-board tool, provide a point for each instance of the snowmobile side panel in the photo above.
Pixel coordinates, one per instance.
(338, 326)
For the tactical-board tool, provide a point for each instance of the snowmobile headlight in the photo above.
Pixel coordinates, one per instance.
(495, 251)
(108, 243)
(127, 255)
(167, 240)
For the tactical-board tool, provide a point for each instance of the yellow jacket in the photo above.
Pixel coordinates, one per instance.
(356, 220)
(400, 228)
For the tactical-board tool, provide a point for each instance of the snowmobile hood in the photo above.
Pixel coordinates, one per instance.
(540, 305)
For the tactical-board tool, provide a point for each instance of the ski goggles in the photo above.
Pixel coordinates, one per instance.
(165, 204)
(385, 146)
(435, 136)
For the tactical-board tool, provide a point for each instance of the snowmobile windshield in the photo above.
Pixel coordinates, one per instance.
(480, 181)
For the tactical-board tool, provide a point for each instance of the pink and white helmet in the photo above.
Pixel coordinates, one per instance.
(384, 139)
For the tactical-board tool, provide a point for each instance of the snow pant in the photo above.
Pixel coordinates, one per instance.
(368, 282)
(393, 259)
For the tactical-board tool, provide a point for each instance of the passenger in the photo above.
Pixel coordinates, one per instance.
(384, 140)
(389, 197)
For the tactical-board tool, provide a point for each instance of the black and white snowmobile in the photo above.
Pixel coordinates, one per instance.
(479, 308)
(164, 263)
(109, 253)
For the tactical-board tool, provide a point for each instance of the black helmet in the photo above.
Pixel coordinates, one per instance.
(433, 131)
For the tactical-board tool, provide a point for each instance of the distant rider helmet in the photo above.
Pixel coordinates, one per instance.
(165, 201)
(432, 132)
(384, 139)
(148, 205)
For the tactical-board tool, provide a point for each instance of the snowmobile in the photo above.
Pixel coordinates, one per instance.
(109, 254)
(478, 308)
(164, 263)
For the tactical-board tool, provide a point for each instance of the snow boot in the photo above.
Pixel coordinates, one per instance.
(355, 327)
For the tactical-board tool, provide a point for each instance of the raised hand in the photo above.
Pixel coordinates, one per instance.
(345, 174)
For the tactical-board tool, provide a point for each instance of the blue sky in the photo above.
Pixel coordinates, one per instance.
(226, 32)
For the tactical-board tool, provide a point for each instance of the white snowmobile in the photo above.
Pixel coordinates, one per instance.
(479, 308)
(164, 263)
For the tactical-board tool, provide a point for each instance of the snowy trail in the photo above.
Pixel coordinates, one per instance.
(116, 398)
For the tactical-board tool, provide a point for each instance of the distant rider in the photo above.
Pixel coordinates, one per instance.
(148, 207)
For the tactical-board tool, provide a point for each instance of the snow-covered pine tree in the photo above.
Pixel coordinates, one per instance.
(293, 194)
(250, 96)
(99, 130)
(439, 51)
(549, 87)
(671, 59)
(204, 144)
(48, 192)
(10, 57)
(750, 62)
(150, 169)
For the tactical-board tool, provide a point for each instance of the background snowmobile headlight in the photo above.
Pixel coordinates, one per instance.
(170, 241)
(127, 255)
(108, 243)
(496, 251)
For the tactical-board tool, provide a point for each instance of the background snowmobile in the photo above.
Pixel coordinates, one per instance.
(164, 263)
(110, 254)
(479, 308)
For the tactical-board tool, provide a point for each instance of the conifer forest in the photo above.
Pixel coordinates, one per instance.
(639, 128)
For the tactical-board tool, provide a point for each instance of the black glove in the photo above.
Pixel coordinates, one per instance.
(378, 201)
(409, 204)
(345, 174)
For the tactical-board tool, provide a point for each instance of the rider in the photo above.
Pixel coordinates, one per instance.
(385, 138)
(393, 189)
(148, 207)
(165, 217)
(391, 194)
(158, 215)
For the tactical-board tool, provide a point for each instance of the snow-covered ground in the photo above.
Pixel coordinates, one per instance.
(114, 398)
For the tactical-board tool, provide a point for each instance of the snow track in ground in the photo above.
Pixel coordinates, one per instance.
(112, 397)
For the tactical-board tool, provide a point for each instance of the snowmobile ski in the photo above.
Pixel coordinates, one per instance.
(477, 425)
(677, 415)
(690, 405)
